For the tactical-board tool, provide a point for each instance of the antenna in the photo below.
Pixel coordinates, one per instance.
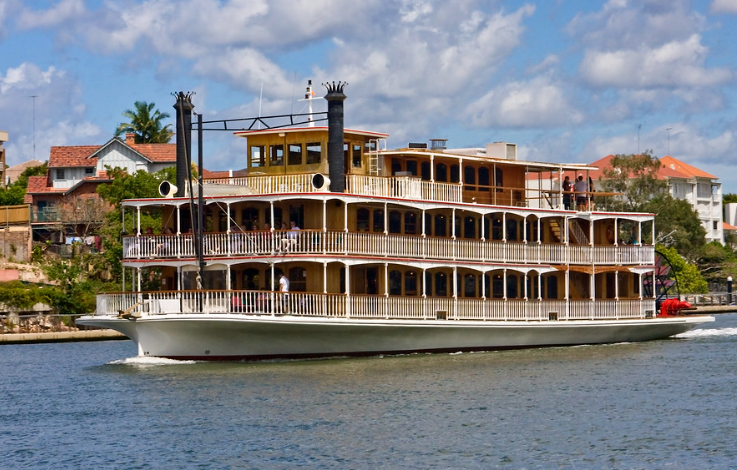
(668, 129)
(33, 97)
(639, 126)
(260, 100)
(309, 97)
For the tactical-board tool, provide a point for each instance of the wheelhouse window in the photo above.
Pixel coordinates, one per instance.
(357, 156)
(258, 156)
(295, 154)
(277, 155)
(314, 153)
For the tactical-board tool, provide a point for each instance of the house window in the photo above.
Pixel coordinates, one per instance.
(60, 174)
(89, 171)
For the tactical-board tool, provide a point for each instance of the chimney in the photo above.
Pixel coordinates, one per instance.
(130, 138)
(336, 159)
(184, 108)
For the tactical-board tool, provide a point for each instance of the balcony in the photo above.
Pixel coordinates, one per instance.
(310, 304)
(302, 242)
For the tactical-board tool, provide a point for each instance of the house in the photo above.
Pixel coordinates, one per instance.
(13, 172)
(701, 189)
(64, 202)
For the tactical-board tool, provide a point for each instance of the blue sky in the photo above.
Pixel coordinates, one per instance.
(568, 81)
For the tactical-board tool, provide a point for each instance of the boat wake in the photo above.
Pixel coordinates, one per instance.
(143, 361)
(706, 332)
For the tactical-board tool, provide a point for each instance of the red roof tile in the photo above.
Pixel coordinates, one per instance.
(689, 170)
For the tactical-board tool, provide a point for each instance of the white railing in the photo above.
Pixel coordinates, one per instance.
(266, 243)
(271, 184)
(406, 187)
(367, 306)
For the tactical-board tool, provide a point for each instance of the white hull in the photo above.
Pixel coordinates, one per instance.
(234, 337)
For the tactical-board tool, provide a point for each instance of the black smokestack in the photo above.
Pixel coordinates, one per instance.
(183, 126)
(336, 159)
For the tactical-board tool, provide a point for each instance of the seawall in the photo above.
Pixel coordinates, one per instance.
(60, 336)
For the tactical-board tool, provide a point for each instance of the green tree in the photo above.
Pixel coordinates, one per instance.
(635, 177)
(15, 192)
(690, 280)
(146, 123)
(75, 290)
(124, 186)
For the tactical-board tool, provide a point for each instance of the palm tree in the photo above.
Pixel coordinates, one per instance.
(145, 122)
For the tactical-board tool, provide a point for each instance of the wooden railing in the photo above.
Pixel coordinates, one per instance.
(368, 306)
(267, 243)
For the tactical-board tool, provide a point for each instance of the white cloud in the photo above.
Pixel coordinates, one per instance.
(724, 6)
(677, 63)
(537, 103)
(63, 12)
(59, 115)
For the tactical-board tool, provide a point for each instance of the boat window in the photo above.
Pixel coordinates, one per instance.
(396, 166)
(395, 283)
(428, 224)
(455, 174)
(425, 168)
(277, 155)
(298, 279)
(499, 180)
(469, 178)
(258, 156)
(410, 223)
(511, 230)
(441, 285)
(440, 226)
(297, 215)
(362, 219)
(512, 288)
(533, 287)
(441, 172)
(276, 221)
(395, 222)
(356, 156)
(314, 152)
(457, 227)
(496, 228)
(249, 218)
(483, 178)
(251, 279)
(410, 283)
(552, 287)
(428, 284)
(379, 220)
(469, 227)
(295, 154)
(497, 286)
(487, 285)
(469, 285)
(412, 167)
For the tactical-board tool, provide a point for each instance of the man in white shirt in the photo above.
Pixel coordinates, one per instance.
(581, 188)
(284, 289)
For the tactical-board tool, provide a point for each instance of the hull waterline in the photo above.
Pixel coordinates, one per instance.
(235, 337)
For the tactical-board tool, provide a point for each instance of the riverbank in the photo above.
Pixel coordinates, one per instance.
(60, 336)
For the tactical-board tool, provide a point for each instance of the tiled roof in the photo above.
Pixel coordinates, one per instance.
(73, 156)
(81, 155)
(222, 174)
(726, 226)
(682, 167)
(158, 153)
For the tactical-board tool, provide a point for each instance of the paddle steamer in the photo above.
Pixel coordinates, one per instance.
(419, 249)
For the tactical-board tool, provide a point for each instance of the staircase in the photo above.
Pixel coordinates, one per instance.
(577, 233)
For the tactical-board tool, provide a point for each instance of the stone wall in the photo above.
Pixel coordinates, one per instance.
(15, 243)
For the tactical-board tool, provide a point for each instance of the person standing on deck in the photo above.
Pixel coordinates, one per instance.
(567, 193)
(284, 289)
(581, 189)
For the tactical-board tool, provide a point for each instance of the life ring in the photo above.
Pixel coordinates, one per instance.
(610, 234)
